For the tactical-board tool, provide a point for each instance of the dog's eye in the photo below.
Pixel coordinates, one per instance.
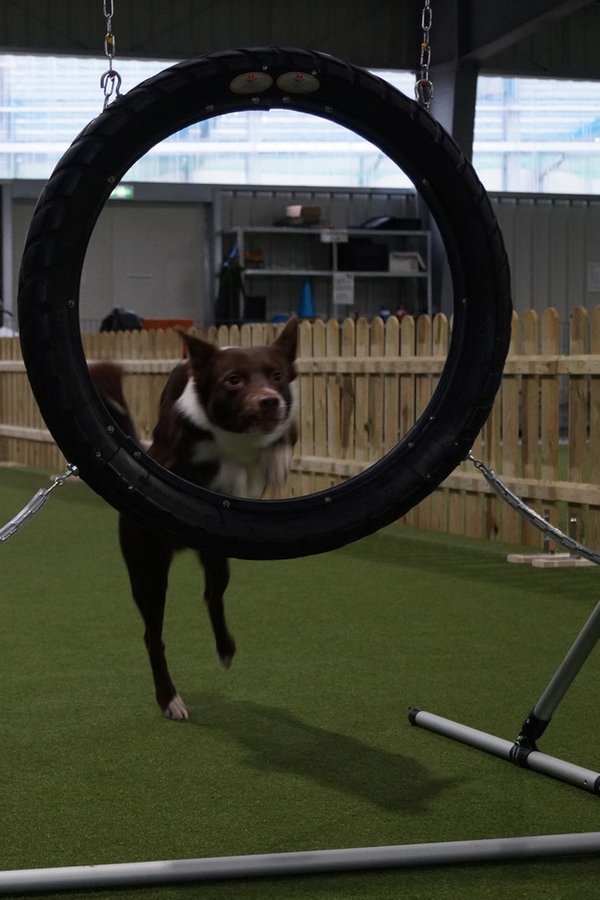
(276, 377)
(233, 379)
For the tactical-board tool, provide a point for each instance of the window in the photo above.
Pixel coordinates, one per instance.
(538, 135)
(534, 135)
(46, 101)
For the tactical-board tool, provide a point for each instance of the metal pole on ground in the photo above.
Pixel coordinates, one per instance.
(297, 863)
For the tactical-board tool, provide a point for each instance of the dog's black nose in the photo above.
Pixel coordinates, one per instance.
(270, 402)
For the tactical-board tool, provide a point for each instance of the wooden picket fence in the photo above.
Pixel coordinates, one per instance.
(362, 385)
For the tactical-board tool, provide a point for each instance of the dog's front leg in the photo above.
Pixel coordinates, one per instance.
(148, 558)
(216, 579)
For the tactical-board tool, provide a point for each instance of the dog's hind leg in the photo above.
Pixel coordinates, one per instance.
(216, 579)
(148, 559)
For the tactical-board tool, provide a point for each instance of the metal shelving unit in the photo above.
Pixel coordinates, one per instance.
(351, 271)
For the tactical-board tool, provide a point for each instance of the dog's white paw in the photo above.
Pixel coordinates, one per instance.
(176, 709)
(226, 660)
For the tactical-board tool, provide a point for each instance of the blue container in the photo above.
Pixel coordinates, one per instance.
(306, 310)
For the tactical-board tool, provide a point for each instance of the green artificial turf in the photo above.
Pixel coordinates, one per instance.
(305, 743)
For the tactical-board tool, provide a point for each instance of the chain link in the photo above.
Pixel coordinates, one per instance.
(423, 86)
(110, 82)
(531, 515)
(34, 505)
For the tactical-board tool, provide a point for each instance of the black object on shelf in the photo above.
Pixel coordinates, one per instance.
(391, 223)
(362, 254)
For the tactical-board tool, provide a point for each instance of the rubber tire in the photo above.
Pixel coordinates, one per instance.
(115, 466)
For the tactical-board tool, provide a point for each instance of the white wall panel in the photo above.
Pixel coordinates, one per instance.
(147, 257)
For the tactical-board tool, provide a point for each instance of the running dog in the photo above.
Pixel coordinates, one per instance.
(225, 422)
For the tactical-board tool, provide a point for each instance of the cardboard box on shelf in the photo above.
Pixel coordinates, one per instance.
(400, 261)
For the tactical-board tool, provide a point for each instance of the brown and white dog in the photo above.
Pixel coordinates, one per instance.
(225, 422)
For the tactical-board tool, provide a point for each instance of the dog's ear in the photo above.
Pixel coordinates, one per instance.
(287, 341)
(199, 352)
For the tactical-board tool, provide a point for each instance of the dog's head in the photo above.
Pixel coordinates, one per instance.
(245, 389)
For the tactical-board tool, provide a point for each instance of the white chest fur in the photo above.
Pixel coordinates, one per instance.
(248, 462)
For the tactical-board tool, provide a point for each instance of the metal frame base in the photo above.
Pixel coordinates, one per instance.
(511, 751)
(523, 751)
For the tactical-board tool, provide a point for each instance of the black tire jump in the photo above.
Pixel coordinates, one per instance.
(114, 465)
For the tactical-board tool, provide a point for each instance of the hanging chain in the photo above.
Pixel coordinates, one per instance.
(423, 86)
(34, 505)
(110, 82)
(531, 515)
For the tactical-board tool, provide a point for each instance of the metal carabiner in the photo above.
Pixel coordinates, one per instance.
(110, 82)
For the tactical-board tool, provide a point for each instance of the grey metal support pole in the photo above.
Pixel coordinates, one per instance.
(582, 647)
(297, 863)
(539, 718)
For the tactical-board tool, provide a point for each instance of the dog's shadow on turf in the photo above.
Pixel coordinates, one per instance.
(278, 741)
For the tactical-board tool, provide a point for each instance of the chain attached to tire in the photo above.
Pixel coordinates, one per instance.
(423, 86)
(34, 505)
(531, 515)
(110, 82)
